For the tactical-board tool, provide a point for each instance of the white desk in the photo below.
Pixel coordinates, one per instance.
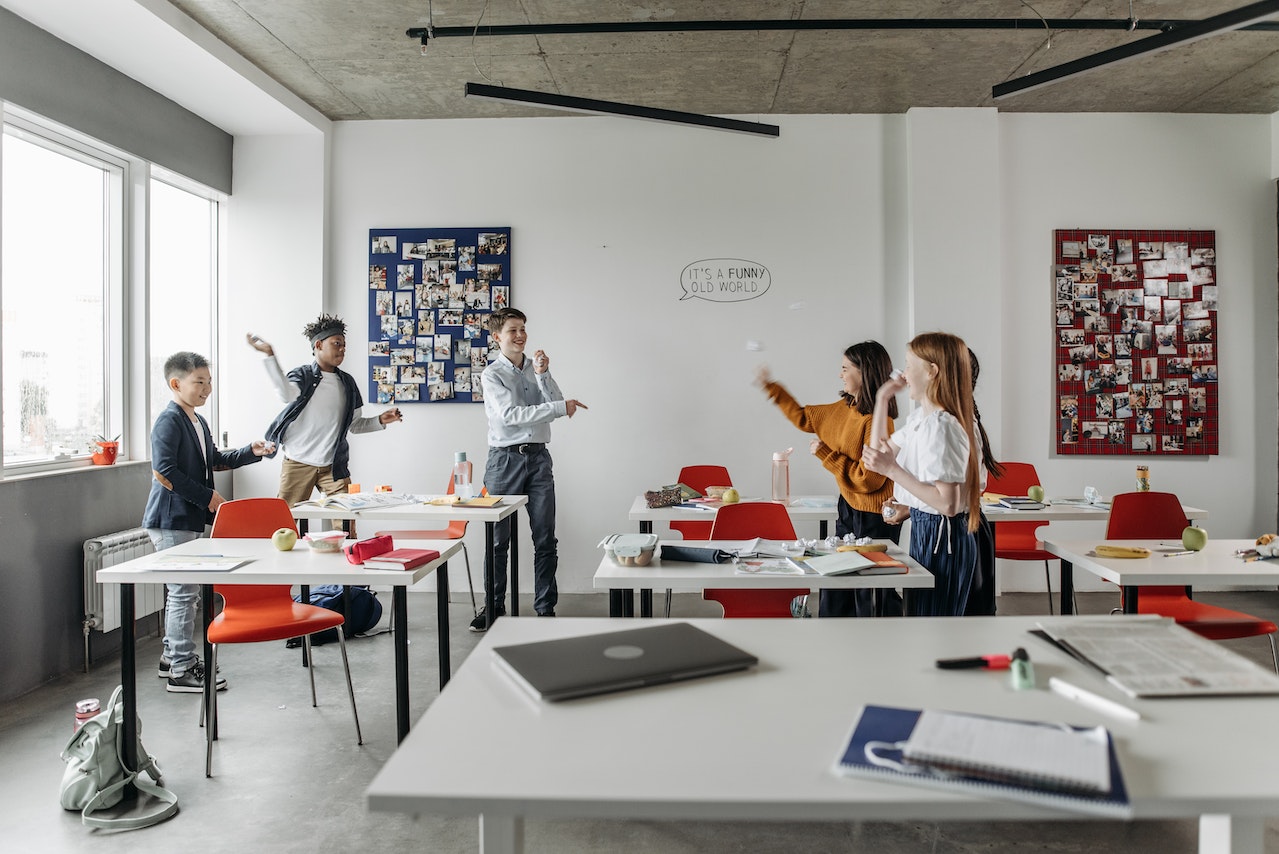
(621, 581)
(801, 509)
(272, 566)
(759, 745)
(1067, 513)
(434, 514)
(1216, 564)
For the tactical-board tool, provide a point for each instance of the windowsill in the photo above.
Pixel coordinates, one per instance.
(70, 469)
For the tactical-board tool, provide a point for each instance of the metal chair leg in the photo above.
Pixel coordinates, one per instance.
(668, 602)
(1274, 655)
(208, 729)
(470, 582)
(350, 689)
(306, 642)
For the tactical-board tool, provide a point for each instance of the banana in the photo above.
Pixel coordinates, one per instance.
(869, 547)
(1107, 550)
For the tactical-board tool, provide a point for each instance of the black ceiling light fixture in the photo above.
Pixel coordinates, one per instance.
(570, 104)
(1245, 16)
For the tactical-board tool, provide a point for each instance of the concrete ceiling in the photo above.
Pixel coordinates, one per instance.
(352, 61)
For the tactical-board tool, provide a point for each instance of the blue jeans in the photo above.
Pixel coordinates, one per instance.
(180, 608)
(509, 472)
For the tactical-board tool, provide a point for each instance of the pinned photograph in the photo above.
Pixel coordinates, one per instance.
(1123, 408)
(1070, 248)
(440, 391)
(1123, 345)
(1071, 337)
(1117, 433)
(430, 272)
(1166, 336)
(462, 379)
(472, 325)
(1069, 373)
(426, 322)
(1204, 374)
(441, 247)
(434, 373)
(1142, 444)
(1123, 250)
(1194, 429)
(489, 272)
(1173, 443)
(413, 374)
(377, 277)
(1065, 289)
(1081, 354)
(1172, 412)
(416, 251)
(1098, 242)
(384, 302)
(1086, 290)
(1198, 399)
(450, 317)
(1177, 365)
(1102, 343)
(1096, 323)
(443, 347)
(1197, 331)
(1123, 273)
(1155, 287)
(383, 245)
(1154, 269)
(403, 303)
(1105, 406)
(466, 258)
(382, 373)
(1142, 341)
(477, 296)
(448, 272)
(390, 326)
(1200, 352)
(492, 243)
(462, 352)
(1150, 368)
(1172, 311)
(437, 296)
(1153, 309)
(1088, 271)
(1123, 371)
(1144, 422)
(424, 347)
(1149, 251)
(408, 328)
(385, 393)
(457, 295)
(1093, 430)
(379, 348)
(401, 356)
(502, 296)
(1202, 275)
(1068, 419)
(1194, 310)
(1065, 317)
(406, 393)
(479, 360)
(404, 276)
(1208, 293)
(1200, 257)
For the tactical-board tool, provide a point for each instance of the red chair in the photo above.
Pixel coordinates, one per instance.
(455, 531)
(1017, 540)
(1158, 516)
(700, 477)
(745, 522)
(253, 613)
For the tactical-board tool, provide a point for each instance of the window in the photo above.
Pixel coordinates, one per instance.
(61, 232)
(184, 277)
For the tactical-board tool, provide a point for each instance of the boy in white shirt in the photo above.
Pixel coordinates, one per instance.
(323, 405)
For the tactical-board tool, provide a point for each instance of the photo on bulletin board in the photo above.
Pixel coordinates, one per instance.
(1135, 323)
(431, 291)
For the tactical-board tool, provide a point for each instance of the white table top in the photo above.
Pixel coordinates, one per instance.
(269, 565)
(1216, 564)
(802, 508)
(1067, 513)
(761, 744)
(417, 512)
(684, 575)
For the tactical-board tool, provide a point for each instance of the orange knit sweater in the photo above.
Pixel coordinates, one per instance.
(843, 430)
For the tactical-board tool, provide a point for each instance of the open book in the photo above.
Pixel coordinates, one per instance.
(1054, 765)
(855, 563)
(359, 501)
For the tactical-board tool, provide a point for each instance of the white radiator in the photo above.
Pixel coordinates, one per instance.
(102, 601)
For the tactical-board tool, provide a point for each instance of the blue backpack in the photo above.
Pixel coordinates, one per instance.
(363, 612)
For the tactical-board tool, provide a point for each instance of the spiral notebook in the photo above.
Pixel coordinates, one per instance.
(1054, 765)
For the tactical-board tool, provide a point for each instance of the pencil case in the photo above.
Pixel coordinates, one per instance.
(361, 550)
(695, 554)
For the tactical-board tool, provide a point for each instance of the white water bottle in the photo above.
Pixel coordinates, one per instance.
(462, 476)
(781, 476)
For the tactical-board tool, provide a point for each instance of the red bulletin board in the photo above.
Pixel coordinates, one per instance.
(1135, 322)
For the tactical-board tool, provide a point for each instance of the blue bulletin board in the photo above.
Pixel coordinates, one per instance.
(431, 291)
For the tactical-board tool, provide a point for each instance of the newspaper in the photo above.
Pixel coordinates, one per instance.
(1155, 657)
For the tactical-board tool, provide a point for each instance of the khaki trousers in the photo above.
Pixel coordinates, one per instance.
(298, 480)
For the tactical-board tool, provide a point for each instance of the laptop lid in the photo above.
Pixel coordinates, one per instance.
(617, 661)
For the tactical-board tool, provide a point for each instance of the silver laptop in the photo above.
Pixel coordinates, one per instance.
(618, 661)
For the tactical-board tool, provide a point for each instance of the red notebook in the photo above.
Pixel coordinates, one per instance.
(402, 559)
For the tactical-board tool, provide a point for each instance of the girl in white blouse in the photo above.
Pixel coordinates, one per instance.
(929, 460)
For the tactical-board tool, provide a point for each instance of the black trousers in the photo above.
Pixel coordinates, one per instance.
(861, 603)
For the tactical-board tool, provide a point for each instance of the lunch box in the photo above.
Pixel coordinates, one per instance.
(630, 549)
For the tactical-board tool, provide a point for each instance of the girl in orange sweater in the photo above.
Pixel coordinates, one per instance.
(842, 428)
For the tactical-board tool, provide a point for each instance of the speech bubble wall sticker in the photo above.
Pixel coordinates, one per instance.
(725, 280)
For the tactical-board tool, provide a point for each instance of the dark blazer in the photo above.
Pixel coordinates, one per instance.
(307, 379)
(182, 484)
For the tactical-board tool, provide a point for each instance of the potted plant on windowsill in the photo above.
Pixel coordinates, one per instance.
(106, 451)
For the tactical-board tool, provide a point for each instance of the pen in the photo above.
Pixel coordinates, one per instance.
(985, 662)
(1093, 701)
(1177, 554)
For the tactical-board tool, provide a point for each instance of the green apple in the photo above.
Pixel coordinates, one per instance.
(1035, 493)
(284, 539)
(730, 496)
(1194, 538)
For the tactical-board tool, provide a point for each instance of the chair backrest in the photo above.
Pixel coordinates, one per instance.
(1145, 516)
(252, 517)
(700, 477)
(752, 519)
(1018, 477)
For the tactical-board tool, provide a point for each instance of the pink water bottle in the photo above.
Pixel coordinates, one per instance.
(781, 476)
(84, 710)
(462, 486)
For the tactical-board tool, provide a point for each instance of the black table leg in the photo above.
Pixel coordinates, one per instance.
(646, 603)
(628, 603)
(515, 566)
(490, 606)
(1130, 599)
(442, 618)
(1067, 581)
(210, 675)
(304, 593)
(615, 603)
(128, 679)
(400, 614)
(822, 529)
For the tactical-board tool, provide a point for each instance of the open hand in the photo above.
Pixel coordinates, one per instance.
(571, 406)
(390, 416)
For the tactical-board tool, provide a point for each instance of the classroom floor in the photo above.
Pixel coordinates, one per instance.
(290, 778)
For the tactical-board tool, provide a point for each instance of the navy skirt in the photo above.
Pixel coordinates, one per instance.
(946, 548)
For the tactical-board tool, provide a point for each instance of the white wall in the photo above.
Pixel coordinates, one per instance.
(847, 212)
(1146, 171)
(605, 215)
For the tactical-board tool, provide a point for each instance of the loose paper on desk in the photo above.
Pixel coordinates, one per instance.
(1152, 657)
(360, 501)
(195, 563)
